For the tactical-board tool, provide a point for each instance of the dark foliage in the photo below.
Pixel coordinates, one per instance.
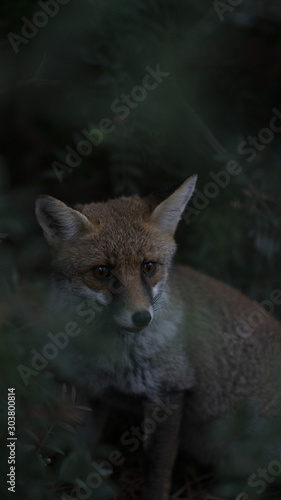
(222, 85)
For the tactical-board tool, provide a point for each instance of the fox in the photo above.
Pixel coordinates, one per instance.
(171, 336)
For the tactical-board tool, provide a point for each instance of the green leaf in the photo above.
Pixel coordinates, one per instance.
(28, 447)
(84, 408)
(68, 427)
(63, 390)
(55, 449)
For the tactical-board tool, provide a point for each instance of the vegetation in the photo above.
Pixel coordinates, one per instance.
(214, 77)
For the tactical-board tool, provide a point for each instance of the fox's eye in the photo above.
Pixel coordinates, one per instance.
(149, 268)
(101, 272)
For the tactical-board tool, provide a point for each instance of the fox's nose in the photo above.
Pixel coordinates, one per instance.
(141, 318)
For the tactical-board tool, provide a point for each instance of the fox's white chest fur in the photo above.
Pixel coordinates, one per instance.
(145, 363)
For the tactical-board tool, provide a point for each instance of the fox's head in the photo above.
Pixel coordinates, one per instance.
(116, 253)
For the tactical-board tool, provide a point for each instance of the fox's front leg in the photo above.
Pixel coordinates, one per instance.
(163, 420)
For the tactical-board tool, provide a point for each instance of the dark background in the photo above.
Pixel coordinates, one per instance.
(224, 82)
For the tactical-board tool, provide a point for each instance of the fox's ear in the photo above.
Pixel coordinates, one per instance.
(59, 222)
(167, 215)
